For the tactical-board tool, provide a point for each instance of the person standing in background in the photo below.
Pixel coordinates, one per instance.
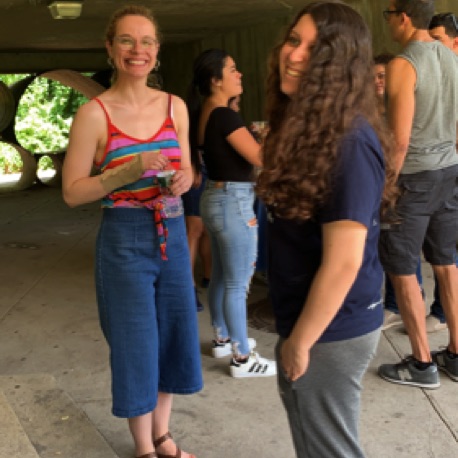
(391, 315)
(230, 154)
(380, 63)
(422, 87)
(198, 238)
(444, 28)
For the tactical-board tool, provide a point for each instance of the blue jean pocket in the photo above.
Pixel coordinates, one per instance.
(212, 211)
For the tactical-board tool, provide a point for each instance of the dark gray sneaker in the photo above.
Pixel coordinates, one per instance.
(446, 364)
(405, 373)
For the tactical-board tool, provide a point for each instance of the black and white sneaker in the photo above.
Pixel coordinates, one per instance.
(254, 366)
(222, 349)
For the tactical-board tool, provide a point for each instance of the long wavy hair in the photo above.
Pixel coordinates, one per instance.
(306, 129)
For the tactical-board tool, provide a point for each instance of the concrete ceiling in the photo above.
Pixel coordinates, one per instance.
(27, 28)
(27, 24)
(32, 41)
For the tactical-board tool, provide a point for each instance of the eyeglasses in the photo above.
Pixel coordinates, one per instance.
(386, 14)
(127, 43)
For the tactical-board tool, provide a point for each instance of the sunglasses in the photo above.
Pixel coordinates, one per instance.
(386, 14)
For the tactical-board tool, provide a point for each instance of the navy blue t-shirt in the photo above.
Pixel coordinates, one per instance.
(295, 247)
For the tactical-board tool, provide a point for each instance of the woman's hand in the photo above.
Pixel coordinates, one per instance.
(153, 160)
(181, 182)
(294, 359)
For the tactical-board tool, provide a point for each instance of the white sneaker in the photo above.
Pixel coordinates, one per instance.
(390, 319)
(220, 350)
(254, 366)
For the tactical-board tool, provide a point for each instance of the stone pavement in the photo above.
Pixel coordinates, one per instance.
(54, 374)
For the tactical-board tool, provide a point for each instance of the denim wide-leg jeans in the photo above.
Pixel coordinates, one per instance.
(227, 212)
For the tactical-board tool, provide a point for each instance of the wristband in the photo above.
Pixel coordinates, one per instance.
(123, 174)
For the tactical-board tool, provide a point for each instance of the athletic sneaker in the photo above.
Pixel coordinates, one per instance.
(446, 364)
(390, 319)
(434, 324)
(220, 349)
(406, 373)
(254, 366)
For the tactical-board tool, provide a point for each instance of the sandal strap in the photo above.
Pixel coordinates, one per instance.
(149, 455)
(160, 440)
(178, 455)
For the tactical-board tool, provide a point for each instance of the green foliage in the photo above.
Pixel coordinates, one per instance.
(45, 115)
(45, 163)
(10, 160)
(10, 79)
(43, 119)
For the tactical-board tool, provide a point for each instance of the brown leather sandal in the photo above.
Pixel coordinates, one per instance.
(160, 440)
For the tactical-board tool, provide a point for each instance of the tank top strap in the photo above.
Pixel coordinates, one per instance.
(104, 110)
(170, 107)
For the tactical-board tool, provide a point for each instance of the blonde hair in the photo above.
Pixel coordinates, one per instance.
(129, 10)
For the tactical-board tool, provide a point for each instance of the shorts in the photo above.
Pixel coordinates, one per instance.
(147, 310)
(428, 211)
(191, 199)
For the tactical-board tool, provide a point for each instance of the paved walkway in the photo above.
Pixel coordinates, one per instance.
(54, 376)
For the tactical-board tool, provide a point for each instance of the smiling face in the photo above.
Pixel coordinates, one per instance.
(134, 48)
(379, 76)
(295, 54)
(231, 82)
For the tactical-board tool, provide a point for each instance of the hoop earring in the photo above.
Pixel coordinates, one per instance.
(158, 64)
(110, 62)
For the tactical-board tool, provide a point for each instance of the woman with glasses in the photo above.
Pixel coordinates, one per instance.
(138, 136)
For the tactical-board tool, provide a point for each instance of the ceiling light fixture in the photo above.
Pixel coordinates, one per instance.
(64, 9)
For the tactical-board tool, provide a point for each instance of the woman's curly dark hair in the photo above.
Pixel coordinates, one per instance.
(301, 148)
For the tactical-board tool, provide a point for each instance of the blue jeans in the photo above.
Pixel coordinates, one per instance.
(226, 209)
(390, 298)
(147, 310)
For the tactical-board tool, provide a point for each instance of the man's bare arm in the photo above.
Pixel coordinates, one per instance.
(400, 84)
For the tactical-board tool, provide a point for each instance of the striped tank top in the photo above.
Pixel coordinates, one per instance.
(145, 192)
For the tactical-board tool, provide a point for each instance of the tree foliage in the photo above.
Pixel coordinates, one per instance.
(43, 118)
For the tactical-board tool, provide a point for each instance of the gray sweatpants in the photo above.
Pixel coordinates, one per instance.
(323, 405)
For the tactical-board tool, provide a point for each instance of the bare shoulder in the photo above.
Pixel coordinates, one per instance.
(180, 114)
(178, 103)
(160, 101)
(400, 74)
(91, 111)
(400, 65)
